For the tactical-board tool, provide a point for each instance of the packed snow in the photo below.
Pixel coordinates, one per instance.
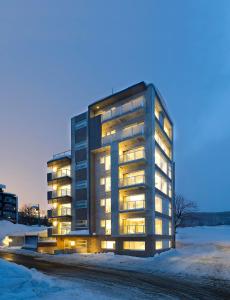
(201, 251)
(18, 282)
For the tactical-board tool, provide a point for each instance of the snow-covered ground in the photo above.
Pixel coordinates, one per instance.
(18, 282)
(8, 228)
(201, 251)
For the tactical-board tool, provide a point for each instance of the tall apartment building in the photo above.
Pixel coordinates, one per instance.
(114, 191)
(8, 205)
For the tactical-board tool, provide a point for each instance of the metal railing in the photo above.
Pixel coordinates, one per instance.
(61, 173)
(61, 193)
(133, 229)
(124, 133)
(64, 211)
(132, 155)
(133, 180)
(125, 108)
(130, 205)
(61, 231)
(62, 154)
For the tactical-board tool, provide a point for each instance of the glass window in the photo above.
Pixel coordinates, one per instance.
(108, 245)
(158, 245)
(131, 245)
(158, 204)
(102, 223)
(158, 226)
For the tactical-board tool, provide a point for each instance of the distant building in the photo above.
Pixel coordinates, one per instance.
(8, 205)
(114, 191)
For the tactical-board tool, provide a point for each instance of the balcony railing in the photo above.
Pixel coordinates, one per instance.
(61, 231)
(133, 229)
(61, 173)
(61, 193)
(131, 205)
(64, 211)
(62, 154)
(133, 180)
(123, 109)
(123, 134)
(132, 155)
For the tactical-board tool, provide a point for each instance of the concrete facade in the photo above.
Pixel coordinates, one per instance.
(122, 176)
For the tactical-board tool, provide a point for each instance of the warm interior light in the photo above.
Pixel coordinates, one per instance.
(55, 187)
(55, 223)
(98, 107)
(6, 241)
(72, 243)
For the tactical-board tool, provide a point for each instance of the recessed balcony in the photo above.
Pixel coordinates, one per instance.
(57, 231)
(123, 110)
(128, 132)
(132, 181)
(62, 176)
(64, 211)
(61, 194)
(133, 229)
(60, 159)
(132, 205)
(132, 156)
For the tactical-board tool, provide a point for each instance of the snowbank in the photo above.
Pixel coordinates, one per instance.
(201, 251)
(8, 228)
(20, 283)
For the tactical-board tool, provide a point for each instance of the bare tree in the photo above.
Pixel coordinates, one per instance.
(182, 208)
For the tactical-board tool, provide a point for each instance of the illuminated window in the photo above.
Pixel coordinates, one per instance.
(102, 223)
(163, 244)
(102, 181)
(108, 245)
(106, 161)
(102, 160)
(158, 226)
(170, 209)
(158, 245)
(134, 226)
(108, 227)
(162, 184)
(107, 204)
(134, 202)
(163, 163)
(108, 184)
(170, 228)
(158, 204)
(102, 202)
(131, 245)
(161, 142)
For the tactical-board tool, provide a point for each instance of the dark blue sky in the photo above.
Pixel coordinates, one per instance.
(56, 57)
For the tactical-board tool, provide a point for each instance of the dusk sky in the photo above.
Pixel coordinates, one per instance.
(56, 57)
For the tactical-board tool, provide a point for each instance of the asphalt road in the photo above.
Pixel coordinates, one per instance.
(127, 284)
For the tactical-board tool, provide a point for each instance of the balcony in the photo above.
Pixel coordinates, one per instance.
(60, 159)
(62, 176)
(126, 108)
(130, 156)
(132, 205)
(62, 231)
(55, 213)
(125, 133)
(59, 196)
(132, 181)
(133, 229)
